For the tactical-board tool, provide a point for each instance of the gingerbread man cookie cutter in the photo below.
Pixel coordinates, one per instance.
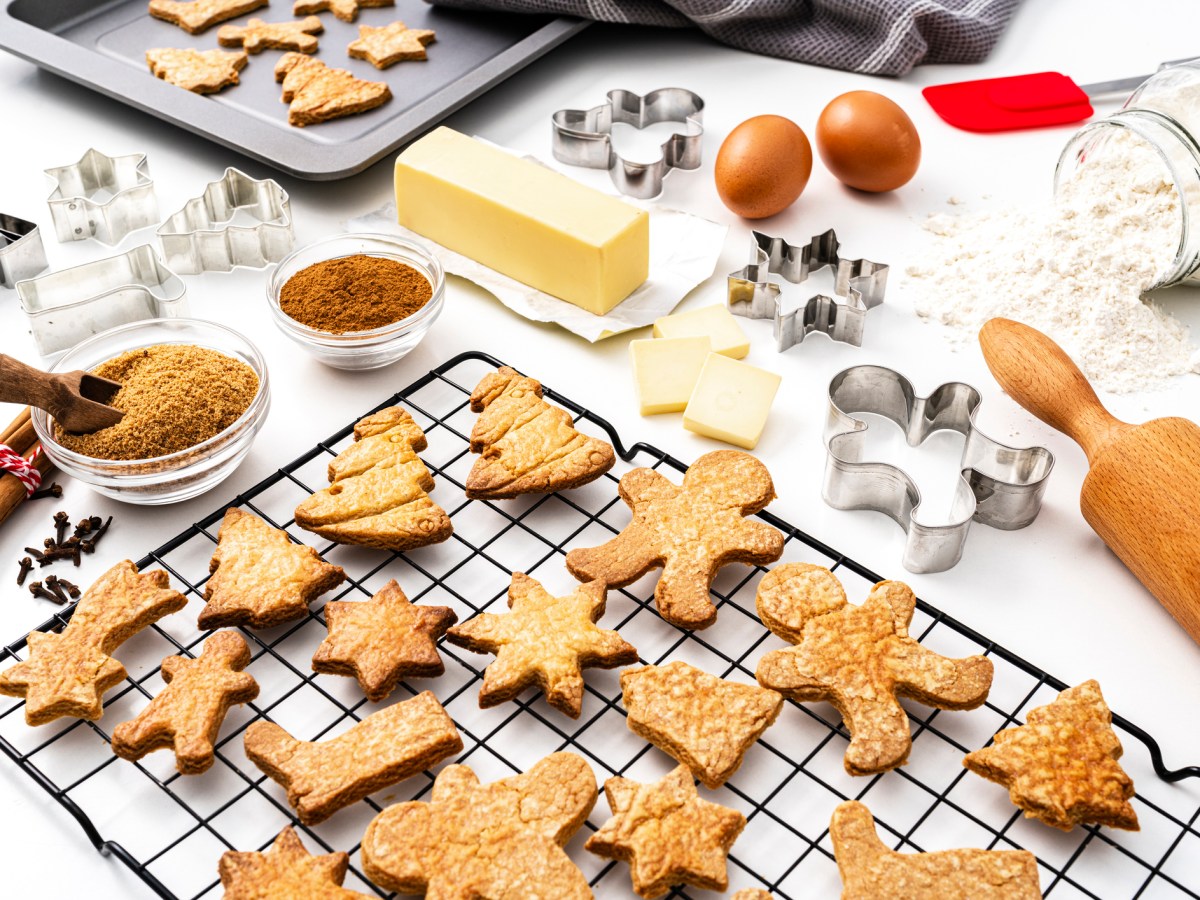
(583, 137)
(102, 197)
(999, 486)
(859, 286)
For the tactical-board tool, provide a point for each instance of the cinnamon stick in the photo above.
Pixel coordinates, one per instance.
(22, 440)
(13, 426)
(12, 491)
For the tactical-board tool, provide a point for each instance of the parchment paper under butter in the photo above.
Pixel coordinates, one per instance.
(683, 252)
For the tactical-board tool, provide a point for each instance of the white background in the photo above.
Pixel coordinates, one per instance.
(1052, 592)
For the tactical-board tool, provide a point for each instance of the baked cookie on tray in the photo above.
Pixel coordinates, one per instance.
(195, 16)
(861, 659)
(256, 35)
(526, 445)
(346, 10)
(1061, 765)
(689, 531)
(378, 492)
(198, 71)
(260, 577)
(317, 93)
(386, 46)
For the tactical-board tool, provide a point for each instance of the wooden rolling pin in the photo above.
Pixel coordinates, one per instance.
(1142, 493)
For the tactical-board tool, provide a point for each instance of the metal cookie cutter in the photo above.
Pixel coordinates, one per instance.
(582, 137)
(999, 486)
(22, 254)
(67, 306)
(203, 235)
(102, 197)
(859, 285)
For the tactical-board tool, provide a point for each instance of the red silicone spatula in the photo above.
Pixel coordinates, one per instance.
(1024, 101)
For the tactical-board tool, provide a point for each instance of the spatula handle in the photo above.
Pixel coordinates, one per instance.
(1042, 378)
(20, 383)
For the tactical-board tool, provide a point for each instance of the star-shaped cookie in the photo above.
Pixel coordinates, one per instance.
(346, 10)
(187, 714)
(546, 641)
(381, 640)
(198, 71)
(68, 674)
(861, 659)
(391, 44)
(705, 722)
(497, 840)
(260, 578)
(317, 93)
(1061, 765)
(257, 35)
(285, 872)
(689, 531)
(667, 834)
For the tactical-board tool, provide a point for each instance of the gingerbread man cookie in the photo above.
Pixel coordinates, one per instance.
(667, 834)
(525, 445)
(872, 871)
(68, 674)
(260, 578)
(285, 872)
(381, 640)
(690, 531)
(705, 722)
(546, 641)
(187, 714)
(860, 659)
(497, 840)
(1061, 765)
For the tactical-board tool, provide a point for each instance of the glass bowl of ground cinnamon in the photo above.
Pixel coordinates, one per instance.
(194, 394)
(357, 301)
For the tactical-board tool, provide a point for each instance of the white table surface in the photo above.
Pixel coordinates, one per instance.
(1051, 592)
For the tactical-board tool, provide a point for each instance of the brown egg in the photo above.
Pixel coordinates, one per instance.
(763, 166)
(868, 142)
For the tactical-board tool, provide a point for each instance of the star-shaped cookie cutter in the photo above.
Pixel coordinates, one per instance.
(998, 485)
(202, 236)
(102, 197)
(583, 137)
(859, 285)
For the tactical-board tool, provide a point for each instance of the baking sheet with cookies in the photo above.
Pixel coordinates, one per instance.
(171, 829)
(103, 46)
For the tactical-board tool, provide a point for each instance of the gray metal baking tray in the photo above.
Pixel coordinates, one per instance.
(102, 45)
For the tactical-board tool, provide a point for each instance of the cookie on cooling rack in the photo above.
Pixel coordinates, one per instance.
(285, 872)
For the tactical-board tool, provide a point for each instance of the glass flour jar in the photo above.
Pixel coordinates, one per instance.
(1165, 113)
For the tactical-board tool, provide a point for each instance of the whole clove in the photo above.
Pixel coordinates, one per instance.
(61, 523)
(98, 528)
(55, 586)
(71, 588)
(83, 527)
(38, 590)
(26, 564)
(54, 490)
(36, 554)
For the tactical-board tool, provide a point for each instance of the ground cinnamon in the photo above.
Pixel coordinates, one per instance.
(354, 293)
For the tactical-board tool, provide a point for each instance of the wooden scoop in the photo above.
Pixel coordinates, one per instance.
(1142, 494)
(75, 399)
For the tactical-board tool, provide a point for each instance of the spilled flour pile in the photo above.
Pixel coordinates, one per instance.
(1076, 269)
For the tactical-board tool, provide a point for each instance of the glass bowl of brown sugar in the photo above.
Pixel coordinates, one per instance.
(194, 394)
(357, 301)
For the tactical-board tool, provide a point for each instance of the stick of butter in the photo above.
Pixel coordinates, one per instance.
(731, 401)
(665, 371)
(523, 220)
(715, 322)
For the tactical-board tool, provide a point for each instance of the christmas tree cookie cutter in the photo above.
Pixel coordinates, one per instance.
(102, 197)
(583, 137)
(205, 235)
(998, 486)
(859, 286)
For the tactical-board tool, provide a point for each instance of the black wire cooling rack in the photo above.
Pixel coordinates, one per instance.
(171, 829)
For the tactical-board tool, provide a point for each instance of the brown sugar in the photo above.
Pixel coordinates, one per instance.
(354, 293)
(174, 396)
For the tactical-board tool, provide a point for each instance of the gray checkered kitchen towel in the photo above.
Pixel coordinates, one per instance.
(877, 37)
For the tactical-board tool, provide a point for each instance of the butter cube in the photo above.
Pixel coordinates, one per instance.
(715, 322)
(731, 401)
(523, 220)
(666, 371)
